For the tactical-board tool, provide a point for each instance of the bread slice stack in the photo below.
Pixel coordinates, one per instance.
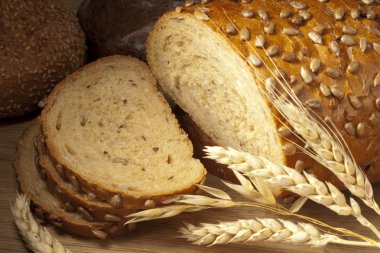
(106, 145)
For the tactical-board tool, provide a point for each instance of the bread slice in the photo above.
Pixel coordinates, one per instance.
(114, 135)
(46, 204)
(91, 207)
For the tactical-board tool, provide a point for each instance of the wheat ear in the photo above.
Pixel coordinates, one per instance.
(37, 238)
(271, 230)
(305, 185)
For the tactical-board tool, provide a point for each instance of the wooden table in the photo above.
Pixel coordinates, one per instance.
(156, 236)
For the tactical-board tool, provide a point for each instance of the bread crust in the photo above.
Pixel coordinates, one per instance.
(101, 191)
(360, 83)
(23, 164)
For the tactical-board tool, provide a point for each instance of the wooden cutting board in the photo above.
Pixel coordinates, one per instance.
(161, 235)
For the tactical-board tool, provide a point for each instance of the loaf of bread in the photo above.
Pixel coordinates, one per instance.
(40, 43)
(120, 26)
(211, 57)
(46, 204)
(111, 135)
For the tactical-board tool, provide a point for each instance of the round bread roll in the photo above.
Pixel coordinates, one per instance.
(120, 26)
(40, 43)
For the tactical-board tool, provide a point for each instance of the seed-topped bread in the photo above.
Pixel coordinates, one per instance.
(212, 57)
(46, 204)
(114, 135)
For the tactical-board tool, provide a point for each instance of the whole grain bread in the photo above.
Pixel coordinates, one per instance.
(48, 205)
(114, 136)
(204, 58)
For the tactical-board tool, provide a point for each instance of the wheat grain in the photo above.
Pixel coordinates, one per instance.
(37, 238)
(271, 230)
(305, 185)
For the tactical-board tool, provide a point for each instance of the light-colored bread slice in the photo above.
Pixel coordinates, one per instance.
(114, 135)
(46, 204)
(90, 207)
(209, 59)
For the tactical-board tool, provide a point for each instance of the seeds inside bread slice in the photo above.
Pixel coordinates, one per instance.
(114, 136)
(46, 204)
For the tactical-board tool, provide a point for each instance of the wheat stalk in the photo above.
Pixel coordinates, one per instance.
(271, 230)
(37, 238)
(305, 185)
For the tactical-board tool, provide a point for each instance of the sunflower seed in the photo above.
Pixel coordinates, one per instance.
(74, 182)
(262, 14)
(361, 129)
(313, 103)
(297, 89)
(363, 44)
(371, 14)
(355, 13)
(68, 207)
(269, 28)
(91, 195)
(111, 217)
(254, 60)
(149, 204)
(320, 29)
(247, 13)
(291, 31)
(325, 90)
(115, 201)
(300, 165)
(284, 131)
(245, 34)
(298, 5)
(260, 41)
(114, 229)
(350, 129)
(333, 72)
(374, 119)
(305, 15)
(350, 53)
(297, 19)
(99, 233)
(289, 57)
(246, 1)
(349, 30)
(285, 13)
(306, 75)
(339, 13)
(315, 64)
(338, 93)
(293, 79)
(189, 3)
(367, 1)
(347, 40)
(355, 102)
(376, 46)
(376, 81)
(85, 214)
(273, 50)
(377, 102)
(230, 29)
(281, 74)
(315, 37)
(201, 15)
(289, 149)
(353, 67)
(334, 46)
(206, 1)
(373, 30)
(60, 170)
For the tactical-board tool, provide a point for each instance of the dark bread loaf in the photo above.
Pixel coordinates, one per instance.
(328, 51)
(120, 26)
(40, 43)
(47, 204)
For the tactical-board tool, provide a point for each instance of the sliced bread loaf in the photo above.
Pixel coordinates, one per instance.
(46, 204)
(114, 135)
(89, 206)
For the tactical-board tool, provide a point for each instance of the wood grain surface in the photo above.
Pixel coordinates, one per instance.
(161, 235)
